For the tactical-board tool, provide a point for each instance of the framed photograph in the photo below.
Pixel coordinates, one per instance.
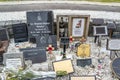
(63, 65)
(79, 25)
(113, 44)
(62, 26)
(100, 30)
(91, 77)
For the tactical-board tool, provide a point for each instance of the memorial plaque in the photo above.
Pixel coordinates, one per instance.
(63, 65)
(84, 50)
(40, 22)
(83, 78)
(84, 62)
(64, 40)
(111, 26)
(42, 40)
(113, 44)
(115, 66)
(100, 30)
(3, 34)
(20, 32)
(98, 22)
(13, 60)
(53, 41)
(36, 55)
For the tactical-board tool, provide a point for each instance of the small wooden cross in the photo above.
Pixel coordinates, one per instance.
(50, 49)
(82, 40)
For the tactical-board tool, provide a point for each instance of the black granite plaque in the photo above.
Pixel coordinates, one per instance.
(111, 26)
(3, 34)
(53, 41)
(64, 40)
(42, 40)
(36, 55)
(40, 22)
(20, 32)
(116, 67)
(100, 30)
(98, 21)
(84, 62)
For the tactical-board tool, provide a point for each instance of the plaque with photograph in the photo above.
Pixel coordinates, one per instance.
(62, 26)
(40, 22)
(63, 65)
(100, 30)
(13, 60)
(79, 25)
(86, 77)
(113, 44)
(36, 55)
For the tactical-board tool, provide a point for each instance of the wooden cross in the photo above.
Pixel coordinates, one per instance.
(82, 39)
(50, 49)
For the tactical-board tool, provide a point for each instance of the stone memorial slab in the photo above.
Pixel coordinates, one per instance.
(40, 22)
(13, 60)
(53, 41)
(111, 25)
(42, 41)
(84, 62)
(98, 21)
(20, 32)
(36, 55)
(115, 66)
(3, 34)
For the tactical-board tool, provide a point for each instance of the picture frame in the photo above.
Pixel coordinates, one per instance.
(113, 44)
(62, 26)
(84, 77)
(100, 30)
(79, 26)
(63, 65)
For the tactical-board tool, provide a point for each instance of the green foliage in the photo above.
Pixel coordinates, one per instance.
(20, 75)
(61, 73)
